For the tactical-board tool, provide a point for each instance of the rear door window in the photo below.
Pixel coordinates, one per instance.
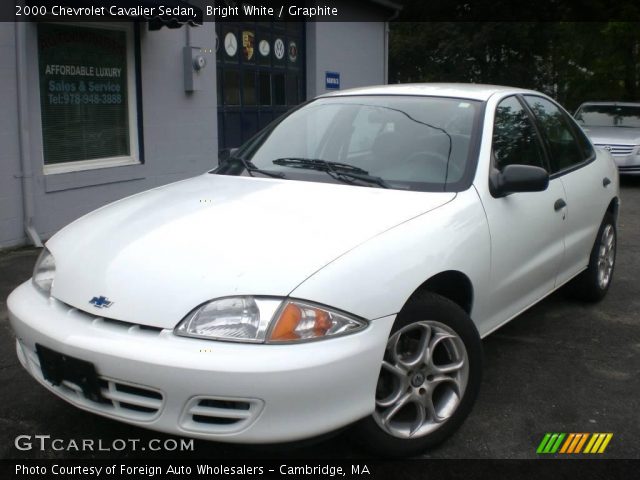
(560, 134)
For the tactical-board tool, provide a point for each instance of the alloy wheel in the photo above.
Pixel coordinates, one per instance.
(606, 256)
(422, 381)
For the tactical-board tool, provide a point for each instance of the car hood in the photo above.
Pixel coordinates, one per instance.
(613, 135)
(157, 255)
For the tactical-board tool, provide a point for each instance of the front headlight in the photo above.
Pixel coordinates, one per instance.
(44, 272)
(266, 320)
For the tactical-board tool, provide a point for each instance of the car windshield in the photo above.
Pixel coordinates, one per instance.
(609, 116)
(399, 142)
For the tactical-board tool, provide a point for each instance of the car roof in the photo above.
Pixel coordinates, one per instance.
(613, 104)
(471, 91)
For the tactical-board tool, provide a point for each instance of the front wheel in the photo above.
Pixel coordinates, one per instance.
(429, 378)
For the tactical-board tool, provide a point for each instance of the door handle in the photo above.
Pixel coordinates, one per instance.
(559, 205)
(606, 182)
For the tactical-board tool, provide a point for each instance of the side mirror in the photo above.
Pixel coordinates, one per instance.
(518, 178)
(225, 154)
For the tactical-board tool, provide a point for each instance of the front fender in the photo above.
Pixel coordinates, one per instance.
(376, 278)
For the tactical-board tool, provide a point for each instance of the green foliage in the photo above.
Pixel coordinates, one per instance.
(571, 61)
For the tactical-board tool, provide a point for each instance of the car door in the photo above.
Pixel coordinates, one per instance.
(585, 182)
(526, 228)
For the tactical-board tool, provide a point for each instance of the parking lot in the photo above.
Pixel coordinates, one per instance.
(559, 367)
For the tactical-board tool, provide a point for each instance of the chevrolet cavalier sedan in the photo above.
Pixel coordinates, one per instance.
(338, 269)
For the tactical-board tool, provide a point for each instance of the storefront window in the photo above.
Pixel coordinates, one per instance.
(87, 96)
(261, 75)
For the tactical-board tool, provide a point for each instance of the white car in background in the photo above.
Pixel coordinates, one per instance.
(340, 268)
(615, 127)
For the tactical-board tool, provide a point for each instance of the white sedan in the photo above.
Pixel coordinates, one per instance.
(339, 268)
(614, 126)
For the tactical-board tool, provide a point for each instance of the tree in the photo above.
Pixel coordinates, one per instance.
(571, 61)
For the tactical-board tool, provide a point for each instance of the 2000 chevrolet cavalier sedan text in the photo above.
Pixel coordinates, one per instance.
(339, 268)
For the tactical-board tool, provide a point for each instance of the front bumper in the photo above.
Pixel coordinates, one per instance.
(628, 164)
(200, 388)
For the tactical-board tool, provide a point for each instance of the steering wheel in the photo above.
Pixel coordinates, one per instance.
(436, 163)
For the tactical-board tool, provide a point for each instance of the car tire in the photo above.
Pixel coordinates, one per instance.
(593, 284)
(429, 380)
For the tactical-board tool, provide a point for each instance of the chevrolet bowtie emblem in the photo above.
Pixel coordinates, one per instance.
(100, 302)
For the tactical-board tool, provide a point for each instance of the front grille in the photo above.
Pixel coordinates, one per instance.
(131, 398)
(220, 415)
(629, 169)
(112, 324)
(121, 399)
(617, 150)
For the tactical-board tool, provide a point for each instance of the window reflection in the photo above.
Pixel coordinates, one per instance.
(515, 141)
(249, 89)
(555, 126)
(231, 88)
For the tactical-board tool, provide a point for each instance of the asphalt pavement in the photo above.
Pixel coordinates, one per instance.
(561, 366)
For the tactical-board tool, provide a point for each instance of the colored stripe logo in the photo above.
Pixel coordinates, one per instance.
(572, 443)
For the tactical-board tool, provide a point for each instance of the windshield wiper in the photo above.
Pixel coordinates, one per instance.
(251, 168)
(318, 164)
(339, 171)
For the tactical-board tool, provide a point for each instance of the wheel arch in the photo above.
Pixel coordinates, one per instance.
(613, 207)
(451, 284)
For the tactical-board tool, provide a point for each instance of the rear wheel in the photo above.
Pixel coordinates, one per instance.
(429, 378)
(593, 284)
